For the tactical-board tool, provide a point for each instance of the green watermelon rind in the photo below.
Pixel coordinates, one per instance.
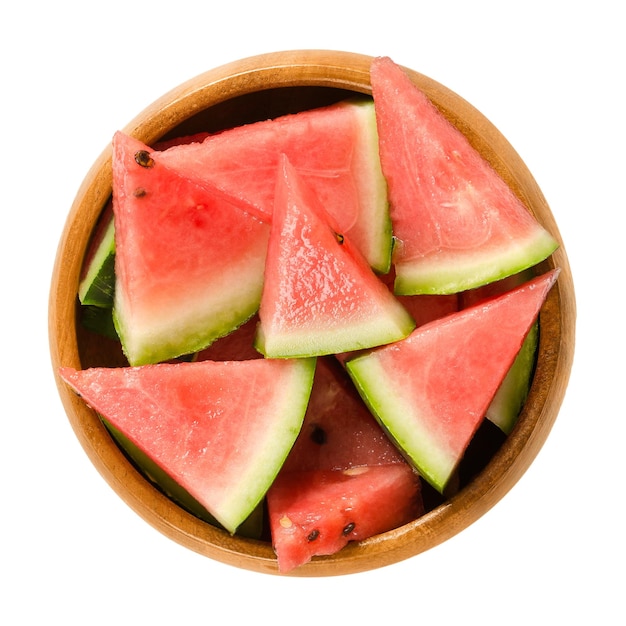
(390, 410)
(506, 405)
(441, 276)
(192, 328)
(335, 339)
(264, 464)
(373, 189)
(97, 287)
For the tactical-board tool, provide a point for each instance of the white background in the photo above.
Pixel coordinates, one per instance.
(549, 75)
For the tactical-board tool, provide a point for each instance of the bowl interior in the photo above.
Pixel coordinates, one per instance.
(251, 90)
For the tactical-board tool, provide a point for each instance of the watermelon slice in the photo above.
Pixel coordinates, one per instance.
(221, 430)
(188, 264)
(338, 483)
(352, 505)
(431, 390)
(334, 148)
(512, 393)
(320, 296)
(97, 283)
(457, 223)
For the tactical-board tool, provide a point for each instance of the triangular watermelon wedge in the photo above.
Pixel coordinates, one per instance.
(334, 148)
(431, 390)
(220, 429)
(320, 296)
(318, 512)
(511, 395)
(188, 264)
(456, 222)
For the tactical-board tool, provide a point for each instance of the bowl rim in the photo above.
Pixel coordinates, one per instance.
(344, 70)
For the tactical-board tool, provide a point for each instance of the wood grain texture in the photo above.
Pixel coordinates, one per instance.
(245, 91)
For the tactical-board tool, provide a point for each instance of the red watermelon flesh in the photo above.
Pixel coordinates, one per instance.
(318, 512)
(462, 360)
(326, 484)
(189, 264)
(334, 148)
(512, 393)
(320, 296)
(472, 227)
(221, 430)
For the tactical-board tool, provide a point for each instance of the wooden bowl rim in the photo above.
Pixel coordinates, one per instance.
(344, 70)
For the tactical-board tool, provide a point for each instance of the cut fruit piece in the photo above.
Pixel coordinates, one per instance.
(221, 430)
(319, 296)
(189, 265)
(97, 284)
(431, 390)
(512, 393)
(318, 512)
(457, 223)
(334, 148)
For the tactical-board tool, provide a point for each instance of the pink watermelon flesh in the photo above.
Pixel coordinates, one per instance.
(318, 512)
(98, 276)
(221, 430)
(326, 483)
(472, 227)
(334, 148)
(512, 393)
(189, 265)
(320, 296)
(462, 360)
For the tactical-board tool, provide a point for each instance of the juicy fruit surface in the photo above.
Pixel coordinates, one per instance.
(188, 264)
(221, 430)
(507, 404)
(334, 148)
(473, 229)
(432, 417)
(318, 512)
(319, 294)
(97, 283)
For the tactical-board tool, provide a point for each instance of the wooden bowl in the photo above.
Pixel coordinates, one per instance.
(249, 90)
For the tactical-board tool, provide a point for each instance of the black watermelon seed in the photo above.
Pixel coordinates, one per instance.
(318, 435)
